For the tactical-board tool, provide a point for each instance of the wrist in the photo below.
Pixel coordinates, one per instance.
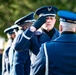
(32, 29)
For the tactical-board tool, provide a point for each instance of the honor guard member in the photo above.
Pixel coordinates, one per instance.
(32, 39)
(11, 33)
(20, 64)
(61, 52)
(36, 38)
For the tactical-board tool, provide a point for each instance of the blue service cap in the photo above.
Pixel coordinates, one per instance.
(11, 29)
(67, 16)
(27, 18)
(47, 10)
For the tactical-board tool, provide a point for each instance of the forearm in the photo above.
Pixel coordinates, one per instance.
(23, 41)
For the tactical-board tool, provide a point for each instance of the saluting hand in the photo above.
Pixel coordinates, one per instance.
(39, 22)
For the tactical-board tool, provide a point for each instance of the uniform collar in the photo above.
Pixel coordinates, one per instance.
(50, 33)
(67, 32)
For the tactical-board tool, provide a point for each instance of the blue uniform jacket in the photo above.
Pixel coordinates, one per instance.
(61, 54)
(5, 59)
(33, 41)
(19, 61)
(25, 42)
(5, 63)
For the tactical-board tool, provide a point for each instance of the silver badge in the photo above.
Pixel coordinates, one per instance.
(49, 9)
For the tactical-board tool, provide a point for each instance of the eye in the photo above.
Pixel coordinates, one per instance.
(51, 18)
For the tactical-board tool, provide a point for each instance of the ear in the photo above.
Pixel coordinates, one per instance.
(55, 19)
(60, 28)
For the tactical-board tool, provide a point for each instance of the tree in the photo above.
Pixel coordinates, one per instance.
(11, 10)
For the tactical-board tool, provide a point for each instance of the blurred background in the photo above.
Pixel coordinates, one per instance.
(11, 10)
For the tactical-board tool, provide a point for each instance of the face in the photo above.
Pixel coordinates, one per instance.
(11, 36)
(49, 24)
(26, 25)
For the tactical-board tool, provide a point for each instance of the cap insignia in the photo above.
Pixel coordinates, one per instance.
(49, 9)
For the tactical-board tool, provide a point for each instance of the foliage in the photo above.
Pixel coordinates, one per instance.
(11, 10)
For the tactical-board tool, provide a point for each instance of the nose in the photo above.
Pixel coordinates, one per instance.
(48, 20)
